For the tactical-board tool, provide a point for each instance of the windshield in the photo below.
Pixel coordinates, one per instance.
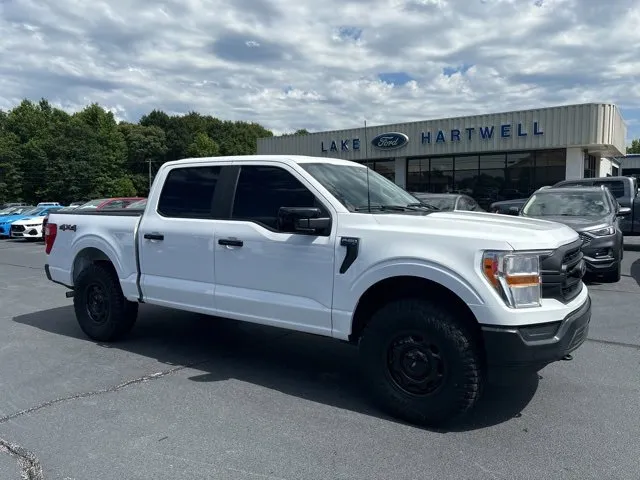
(572, 204)
(349, 185)
(441, 203)
(93, 203)
(32, 212)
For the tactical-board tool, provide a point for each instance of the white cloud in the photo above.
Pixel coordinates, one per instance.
(318, 65)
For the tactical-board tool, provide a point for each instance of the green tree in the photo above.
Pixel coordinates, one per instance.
(635, 147)
(49, 154)
(203, 146)
(10, 168)
(302, 131)
(147, 148)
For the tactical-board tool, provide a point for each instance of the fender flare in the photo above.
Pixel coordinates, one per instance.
(403, 267)
(94, 242)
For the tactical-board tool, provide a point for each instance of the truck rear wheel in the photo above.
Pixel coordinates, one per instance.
(422, 365)
(102, 311)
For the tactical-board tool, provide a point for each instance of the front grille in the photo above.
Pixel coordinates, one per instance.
(586, 239)
(17, 228)
(562, 272)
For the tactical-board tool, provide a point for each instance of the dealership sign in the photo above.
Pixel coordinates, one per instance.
(390, 141)
(396, 140)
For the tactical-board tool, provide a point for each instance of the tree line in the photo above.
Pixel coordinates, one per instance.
(47, 154)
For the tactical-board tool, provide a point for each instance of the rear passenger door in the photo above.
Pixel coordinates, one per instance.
(176, 239)
(267, 275)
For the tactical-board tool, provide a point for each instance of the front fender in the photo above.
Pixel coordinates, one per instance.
(416, 268)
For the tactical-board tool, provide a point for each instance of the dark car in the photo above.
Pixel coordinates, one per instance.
(624, 190)
(449, 201)
(594, 214)
(508, 207)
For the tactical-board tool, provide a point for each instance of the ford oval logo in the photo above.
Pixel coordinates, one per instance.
(390, 141)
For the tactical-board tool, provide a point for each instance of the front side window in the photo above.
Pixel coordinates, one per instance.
(188, 192)
(348, 184)
(262, 190)
(569, 204)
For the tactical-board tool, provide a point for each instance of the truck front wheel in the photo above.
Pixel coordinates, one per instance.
(422, 364)
(102, 311)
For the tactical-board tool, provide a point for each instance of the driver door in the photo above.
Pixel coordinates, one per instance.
(266, 275)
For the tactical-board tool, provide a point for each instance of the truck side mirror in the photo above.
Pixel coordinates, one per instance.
(305, 220)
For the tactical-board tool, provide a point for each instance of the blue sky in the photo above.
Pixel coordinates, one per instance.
(322, 65)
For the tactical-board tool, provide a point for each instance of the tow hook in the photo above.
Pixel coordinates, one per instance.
(567, 358)
(69, 294)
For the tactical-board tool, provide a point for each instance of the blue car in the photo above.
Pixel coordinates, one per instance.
(6, 221)
(8, 215)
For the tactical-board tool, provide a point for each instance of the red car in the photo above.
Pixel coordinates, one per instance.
(99, 204)
(109, 203)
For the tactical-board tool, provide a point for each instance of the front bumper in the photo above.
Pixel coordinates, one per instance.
(536, 345)
(24, 231)
(601, 254)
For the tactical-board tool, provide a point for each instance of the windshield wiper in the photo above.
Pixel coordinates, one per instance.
(424, 205)
(394, 208)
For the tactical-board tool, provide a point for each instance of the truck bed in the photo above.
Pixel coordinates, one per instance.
(113, 233)
(116, 212)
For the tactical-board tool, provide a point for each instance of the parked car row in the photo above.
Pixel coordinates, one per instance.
(600, 210)
(18, 220)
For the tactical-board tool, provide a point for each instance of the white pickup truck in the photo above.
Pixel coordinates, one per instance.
(434, 300)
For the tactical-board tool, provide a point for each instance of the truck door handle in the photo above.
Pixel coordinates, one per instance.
(154, 236)
(230, 242)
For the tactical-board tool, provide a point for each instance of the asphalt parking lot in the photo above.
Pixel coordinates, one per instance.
(185, 397)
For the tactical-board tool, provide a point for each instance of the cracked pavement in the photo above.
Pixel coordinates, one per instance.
(188, 397)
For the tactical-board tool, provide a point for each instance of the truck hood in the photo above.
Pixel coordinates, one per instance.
(519, 232)
(579, 224)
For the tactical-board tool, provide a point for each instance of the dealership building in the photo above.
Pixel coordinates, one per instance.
(491, 157)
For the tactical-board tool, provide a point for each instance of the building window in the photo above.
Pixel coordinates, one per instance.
(465, 174)
(418, 175)
(590, 163)
(386, 167)
(615, 171)
(551, 166)
(519, 175)
(441, 175)
(490, 177)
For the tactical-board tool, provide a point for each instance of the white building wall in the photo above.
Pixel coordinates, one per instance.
(596, 127)
(575, 163)
(605, 167)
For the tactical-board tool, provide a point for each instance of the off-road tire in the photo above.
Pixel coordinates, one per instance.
(119, 314)
(463, 373)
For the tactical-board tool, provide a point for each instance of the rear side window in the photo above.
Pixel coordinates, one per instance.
(262, 190)
(616, 187)
(188, 192)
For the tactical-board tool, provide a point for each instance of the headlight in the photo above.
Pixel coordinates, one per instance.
(515, 276)
(602, 232)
